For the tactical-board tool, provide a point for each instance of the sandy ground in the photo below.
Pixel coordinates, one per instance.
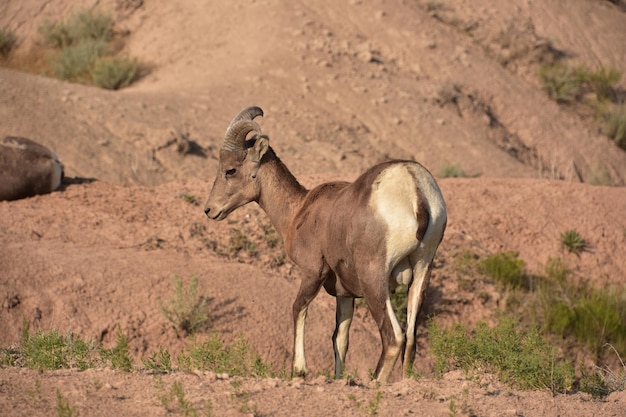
(343, 85)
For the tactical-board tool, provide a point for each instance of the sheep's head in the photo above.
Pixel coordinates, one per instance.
(236, 181)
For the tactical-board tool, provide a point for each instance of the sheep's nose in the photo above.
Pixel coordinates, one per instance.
(206, 211)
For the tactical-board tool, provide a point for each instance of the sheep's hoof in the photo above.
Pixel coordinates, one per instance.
(300, 373)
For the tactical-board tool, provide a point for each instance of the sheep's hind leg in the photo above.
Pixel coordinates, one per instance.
(391, 333)
(415, 300)
(344, 313)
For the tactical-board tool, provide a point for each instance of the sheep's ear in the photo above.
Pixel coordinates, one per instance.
(261, 145)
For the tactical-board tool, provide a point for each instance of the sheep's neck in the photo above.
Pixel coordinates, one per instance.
(281, 193)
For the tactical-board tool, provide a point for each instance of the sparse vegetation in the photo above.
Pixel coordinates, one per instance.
(8, 40)
(84, 53)
(114, 73)
(49, 351)
(236, 359)
(506, 269)
(560, 83)
(119, 354)
(187, 311)
(592, 316)
(573, 242)
(79, 27)
(159, 362)
(598, 90)
(615, 125)
(182, 404)
(451, 171)
(239, 242)
(521, 358)
(563, 309)
(73, 62)
(64, 409)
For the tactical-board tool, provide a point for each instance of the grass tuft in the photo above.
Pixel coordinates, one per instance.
(114, 73)
(49, 351)
(615, 125)
(187, 311)
(451, 171)
(236, 359)
(573, 242)
(159, 362)
(506, 269)
(8, 40)
(119, 355)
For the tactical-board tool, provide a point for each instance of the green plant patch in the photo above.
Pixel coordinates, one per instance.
(114, 73)
(119, 355)
(187, 310)
(235, 359)
(78, 28)
(49, 351)
(521, 358)
(451, 171)
(507, 269)
(615, 125)
(573, 242)
(83, 51)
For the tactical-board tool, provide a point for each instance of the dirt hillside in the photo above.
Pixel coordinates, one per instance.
(343, 85)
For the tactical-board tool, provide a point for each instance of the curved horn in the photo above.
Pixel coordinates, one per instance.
(234, 136)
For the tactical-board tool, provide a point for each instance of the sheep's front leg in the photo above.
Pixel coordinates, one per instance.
(308, 290)
(344, 313)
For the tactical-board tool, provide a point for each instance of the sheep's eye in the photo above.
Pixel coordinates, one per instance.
(231, 172)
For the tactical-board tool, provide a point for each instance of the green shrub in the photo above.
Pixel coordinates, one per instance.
(78, 28)
(187, 311)
(615, 125)
(506, 269)
(84, 53)
(159, 362)
(601, 82)
(7, 41)
(592, 316)
(73, 63)
(119, 355)
(560, 82)
(573, 242)
(48, 351)
(236, 359)
(520, 358)
(451, 171)
(114, 73)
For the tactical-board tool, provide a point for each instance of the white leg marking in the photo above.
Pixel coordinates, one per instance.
(299, 360)
(345, 311)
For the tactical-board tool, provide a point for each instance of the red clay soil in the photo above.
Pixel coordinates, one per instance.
(343, 85)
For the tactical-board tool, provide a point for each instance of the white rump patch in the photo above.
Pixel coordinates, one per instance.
(394, 197)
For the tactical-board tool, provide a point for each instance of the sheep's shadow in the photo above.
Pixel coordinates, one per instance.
(68, 181)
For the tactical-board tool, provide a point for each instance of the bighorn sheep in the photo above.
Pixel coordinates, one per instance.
(27, 168)
(357, 239)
